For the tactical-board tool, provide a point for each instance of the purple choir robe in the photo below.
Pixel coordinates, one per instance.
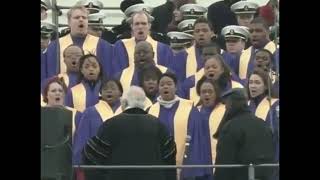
(261, 107)
(90, 122)
(82, 96)
(199, 149)
(123, 57)
(187, 62)
(190, 85)
(213, 116)
(130, 76)
(43, 63)
(246, 60)
(103, 50)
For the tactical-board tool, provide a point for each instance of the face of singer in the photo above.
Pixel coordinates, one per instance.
(256, 85)
(262, 59)
(207, 94)
(55, 94)
(213, 69)
(167, 88)
(140, 27)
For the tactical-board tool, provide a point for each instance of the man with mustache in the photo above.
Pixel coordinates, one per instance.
(140, 22)
(78, 23)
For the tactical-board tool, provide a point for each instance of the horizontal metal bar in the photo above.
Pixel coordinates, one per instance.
(169, 166)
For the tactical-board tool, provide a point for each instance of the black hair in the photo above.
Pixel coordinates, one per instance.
(148, 71)
(170, 75)
(215, 85)
(202, 19)
(272, 59)
(105, 82)
(260, 20)
(81, 62)
(64, 51)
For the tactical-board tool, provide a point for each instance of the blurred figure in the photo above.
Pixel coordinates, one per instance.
(220, 15)
(45, 4)
(245, 12)
(179, 41)
(97, 19)
(147, 140)
(242, 138)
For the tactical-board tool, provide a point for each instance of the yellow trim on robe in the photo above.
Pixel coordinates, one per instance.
(191, 64)
(235, 84)
(246, 56)
(42, 102)
(65, 78)
(181, 118)
(104, 110)
(79, 97)
(193, 91)
(127, 75)
(89, 45)
(74, 112)
(264, 107)
(214, 121)
(130, 44)
(147, 103)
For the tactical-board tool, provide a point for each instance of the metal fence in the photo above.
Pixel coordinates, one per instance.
(251, 167)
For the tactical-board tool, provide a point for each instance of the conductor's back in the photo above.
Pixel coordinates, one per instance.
(131, 138)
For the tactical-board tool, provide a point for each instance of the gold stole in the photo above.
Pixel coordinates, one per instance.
(42, 102)
(235, 84)
(214, 121)
(180, 125)
(74, 112)
(79, 97)
(127, 75)
(130, 44)
(264, 107)
(193, 92)
(89, 45)
(104, 110)
(147, 103)
(191, 66)
(65, 78)
(245, 58)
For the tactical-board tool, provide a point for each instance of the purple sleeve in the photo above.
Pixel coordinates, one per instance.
(68, 99)
(52, 59)
(105, 54)
(178, 64)
(120, 57)
(199, 151)
(164, 54)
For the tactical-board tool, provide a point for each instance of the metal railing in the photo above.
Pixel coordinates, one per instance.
(251, 167)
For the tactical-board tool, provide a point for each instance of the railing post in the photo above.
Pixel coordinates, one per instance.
(251, 172)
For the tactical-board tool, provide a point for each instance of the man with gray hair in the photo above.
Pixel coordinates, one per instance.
(131, 138)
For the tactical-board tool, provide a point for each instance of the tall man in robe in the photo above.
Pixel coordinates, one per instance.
(140, 22)
(78, 23)
(259, 36)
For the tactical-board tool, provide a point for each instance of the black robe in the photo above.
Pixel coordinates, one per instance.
(131, 138)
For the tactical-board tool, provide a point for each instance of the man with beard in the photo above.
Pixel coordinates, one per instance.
(78, 23)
